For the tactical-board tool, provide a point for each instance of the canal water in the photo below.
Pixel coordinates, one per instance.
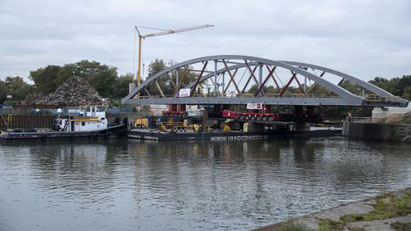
(238, 185)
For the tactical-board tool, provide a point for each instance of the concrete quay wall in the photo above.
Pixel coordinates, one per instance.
(377, 131)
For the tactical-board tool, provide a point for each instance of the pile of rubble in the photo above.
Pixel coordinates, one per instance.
(399, 118)
(74, 92)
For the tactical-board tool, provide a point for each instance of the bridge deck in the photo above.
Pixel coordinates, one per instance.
(262, 100)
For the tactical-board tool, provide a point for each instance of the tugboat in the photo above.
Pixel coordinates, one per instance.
(90, 122)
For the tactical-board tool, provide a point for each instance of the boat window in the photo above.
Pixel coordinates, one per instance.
(102, 118)
(83, 123)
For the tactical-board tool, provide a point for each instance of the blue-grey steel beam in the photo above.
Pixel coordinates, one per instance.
(263, 100)
(350, 98)
(328, 85)
(215, 78)
(372, 88)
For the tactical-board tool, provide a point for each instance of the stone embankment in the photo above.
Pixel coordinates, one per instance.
(389, 211)
(377, 131)
(396, 127)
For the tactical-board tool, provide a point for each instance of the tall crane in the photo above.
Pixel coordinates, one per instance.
(164, 32)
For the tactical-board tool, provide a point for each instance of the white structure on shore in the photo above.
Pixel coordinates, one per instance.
(382, 113)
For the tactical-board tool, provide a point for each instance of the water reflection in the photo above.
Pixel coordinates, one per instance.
(129, 184)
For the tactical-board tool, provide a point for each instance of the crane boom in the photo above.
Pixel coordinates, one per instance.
(176, 31)
(141, 37)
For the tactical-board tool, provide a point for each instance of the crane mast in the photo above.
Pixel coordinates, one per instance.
(165, 32)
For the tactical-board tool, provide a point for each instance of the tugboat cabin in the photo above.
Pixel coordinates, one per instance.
(89, 118)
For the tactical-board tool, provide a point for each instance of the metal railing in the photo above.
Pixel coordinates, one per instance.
(376, 98)
(364, 119)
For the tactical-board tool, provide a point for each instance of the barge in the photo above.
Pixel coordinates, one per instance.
(157, 135)
(89, 123)
(115, 131)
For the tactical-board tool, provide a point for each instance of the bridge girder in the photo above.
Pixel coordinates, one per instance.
(231, 63)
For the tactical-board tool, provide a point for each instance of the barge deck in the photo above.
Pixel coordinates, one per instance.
(156, 135)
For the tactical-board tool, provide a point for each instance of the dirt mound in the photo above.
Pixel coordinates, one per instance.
(394, 118)
(74, 92)
(399, 118)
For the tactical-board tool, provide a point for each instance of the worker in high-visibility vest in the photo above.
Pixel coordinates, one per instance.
(226, 128)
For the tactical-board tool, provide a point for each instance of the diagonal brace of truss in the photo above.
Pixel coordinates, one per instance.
(231, 76)
(270, 74)
(249, 78)
(252, 75)
(198, 79)
(288, 84)
(230, 81)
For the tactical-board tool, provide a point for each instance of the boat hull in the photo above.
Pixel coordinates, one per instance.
(155, 135)
(110, 132)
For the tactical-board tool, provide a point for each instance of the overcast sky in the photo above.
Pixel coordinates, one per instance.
(365, 38)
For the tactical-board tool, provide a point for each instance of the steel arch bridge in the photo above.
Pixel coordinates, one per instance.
(238, 79)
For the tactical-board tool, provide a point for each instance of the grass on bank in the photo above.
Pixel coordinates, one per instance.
(386, 207)
(293, 226)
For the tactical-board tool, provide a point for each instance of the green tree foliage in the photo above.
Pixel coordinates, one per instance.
(3, 91)
(270, 90)
(45, 79)
(185, 76)
(101, 77)
(15, 86)
(355, 89)
(122, 85)
(154, 68)
(398, 86)
(319, 90)
(106, 81)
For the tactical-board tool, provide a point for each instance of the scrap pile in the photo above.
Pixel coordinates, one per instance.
(74, 92)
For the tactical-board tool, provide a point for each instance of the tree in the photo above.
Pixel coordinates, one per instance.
(155, 67)
(15, 86)
(404, 86)
(45, 79)
(397, 86)
(270, 90)
(122, 85)
(100, 76)
(185, 76)
(355, 89)
(3, 91)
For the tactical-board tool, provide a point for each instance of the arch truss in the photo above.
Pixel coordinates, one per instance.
(237, 79)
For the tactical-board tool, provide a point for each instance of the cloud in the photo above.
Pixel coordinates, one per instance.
(362, 38)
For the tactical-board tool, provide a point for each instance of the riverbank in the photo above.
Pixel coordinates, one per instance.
(389, 211)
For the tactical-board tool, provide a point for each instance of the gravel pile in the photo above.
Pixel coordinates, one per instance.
(74, 92)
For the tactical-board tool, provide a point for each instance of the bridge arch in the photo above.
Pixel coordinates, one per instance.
(229, 63)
